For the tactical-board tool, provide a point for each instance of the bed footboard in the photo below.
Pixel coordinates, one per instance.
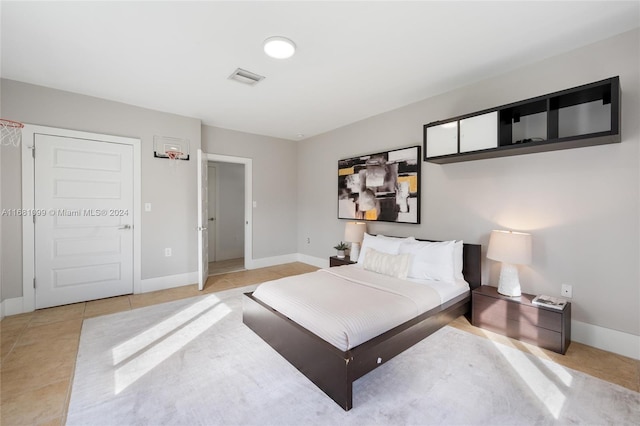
(326, 366)
(330, 369)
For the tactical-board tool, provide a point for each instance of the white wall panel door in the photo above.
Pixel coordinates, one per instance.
(203, 238)
(84, 219)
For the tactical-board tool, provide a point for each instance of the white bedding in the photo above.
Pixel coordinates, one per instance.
(347, 305)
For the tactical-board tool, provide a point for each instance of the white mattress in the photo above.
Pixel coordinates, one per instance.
(347, 305)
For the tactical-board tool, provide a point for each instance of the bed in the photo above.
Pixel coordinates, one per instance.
(334, 367)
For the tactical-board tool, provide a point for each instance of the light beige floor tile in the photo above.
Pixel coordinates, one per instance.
(59, 313)
(37, 406)
(7, 341)
(51, 333)
(295, 268)
(15, 322)
(107, 306)
(32, 366)
(156, 297)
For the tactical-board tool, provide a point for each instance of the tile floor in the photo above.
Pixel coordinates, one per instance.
(226, 266)
(38, 349)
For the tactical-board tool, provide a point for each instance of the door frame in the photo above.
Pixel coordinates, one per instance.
(28, 203)
(248, 200)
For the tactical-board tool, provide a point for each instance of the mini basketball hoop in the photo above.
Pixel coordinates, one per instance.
(10, 132)
(173, 155)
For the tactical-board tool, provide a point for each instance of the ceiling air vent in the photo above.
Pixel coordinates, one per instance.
(246, 77)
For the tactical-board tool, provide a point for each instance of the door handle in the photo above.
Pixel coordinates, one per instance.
(202, 228)
(125, 227)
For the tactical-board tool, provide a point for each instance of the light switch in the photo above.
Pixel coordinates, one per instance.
(255, 204)
(147, 207)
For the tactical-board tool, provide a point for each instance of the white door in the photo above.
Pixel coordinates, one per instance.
(213, 220)
(84, 225)
(203, 239)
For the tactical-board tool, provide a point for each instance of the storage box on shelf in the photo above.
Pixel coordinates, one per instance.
(582, 116)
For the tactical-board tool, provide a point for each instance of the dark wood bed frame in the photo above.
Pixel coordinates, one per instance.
(333, 370)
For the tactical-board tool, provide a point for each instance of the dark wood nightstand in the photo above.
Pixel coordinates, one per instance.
(518, 318)
(336, 261)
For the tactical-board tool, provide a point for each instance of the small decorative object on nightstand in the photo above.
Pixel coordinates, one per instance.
(341, 248)
(520, 319)
(339, 261)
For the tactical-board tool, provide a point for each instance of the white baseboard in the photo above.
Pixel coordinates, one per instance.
(271, 261)
(312, 260)
(606, 339)
(13, 306)
(169, 281)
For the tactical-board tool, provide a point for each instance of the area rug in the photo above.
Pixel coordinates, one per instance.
(193, 362)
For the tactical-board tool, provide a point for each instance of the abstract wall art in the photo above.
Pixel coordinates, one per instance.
(381, 187)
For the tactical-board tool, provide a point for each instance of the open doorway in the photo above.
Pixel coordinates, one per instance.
(226, 217)
(207, 220)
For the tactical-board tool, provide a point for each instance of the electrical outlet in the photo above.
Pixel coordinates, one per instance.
(566, 290)
(167, 252)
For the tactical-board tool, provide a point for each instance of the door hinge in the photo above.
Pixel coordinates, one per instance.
(34, 282)
(33, 151)
(34, 218)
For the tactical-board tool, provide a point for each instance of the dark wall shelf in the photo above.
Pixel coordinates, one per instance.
(582, 116)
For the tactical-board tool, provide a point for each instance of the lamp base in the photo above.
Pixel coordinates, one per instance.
(509, 284)
(355, 252)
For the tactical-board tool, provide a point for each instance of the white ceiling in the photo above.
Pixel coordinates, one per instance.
(354, 59)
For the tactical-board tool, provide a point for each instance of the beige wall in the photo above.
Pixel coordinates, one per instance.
(229, 223)
(172, 192)
(275, 185)
(580, 205)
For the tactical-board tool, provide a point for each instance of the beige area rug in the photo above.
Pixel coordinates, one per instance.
(193, 362)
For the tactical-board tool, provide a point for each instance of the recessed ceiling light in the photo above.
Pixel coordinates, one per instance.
(279, 47)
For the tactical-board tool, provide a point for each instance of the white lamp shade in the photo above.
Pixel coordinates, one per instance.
(354, 232)
(510, 247)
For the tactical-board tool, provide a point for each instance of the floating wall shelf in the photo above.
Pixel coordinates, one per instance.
(582, 116)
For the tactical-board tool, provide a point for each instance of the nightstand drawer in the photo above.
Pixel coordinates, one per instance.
(526, 332)
(490, 307)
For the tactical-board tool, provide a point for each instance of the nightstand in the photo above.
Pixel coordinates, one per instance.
(518, 318)
(336, 261)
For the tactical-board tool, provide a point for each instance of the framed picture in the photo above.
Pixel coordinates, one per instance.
(382, 187)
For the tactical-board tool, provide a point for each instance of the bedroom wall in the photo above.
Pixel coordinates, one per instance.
(230, 202)
(172, 193)
(580, 205)
(275, 185)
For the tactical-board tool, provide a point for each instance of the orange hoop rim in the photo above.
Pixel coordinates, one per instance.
(11, 123)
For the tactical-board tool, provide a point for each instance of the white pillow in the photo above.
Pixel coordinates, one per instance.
(430, 260)
(457, 259)
(384, 245)
(393, 265)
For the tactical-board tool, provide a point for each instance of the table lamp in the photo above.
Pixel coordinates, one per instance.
(512, 249)
(354, 234)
